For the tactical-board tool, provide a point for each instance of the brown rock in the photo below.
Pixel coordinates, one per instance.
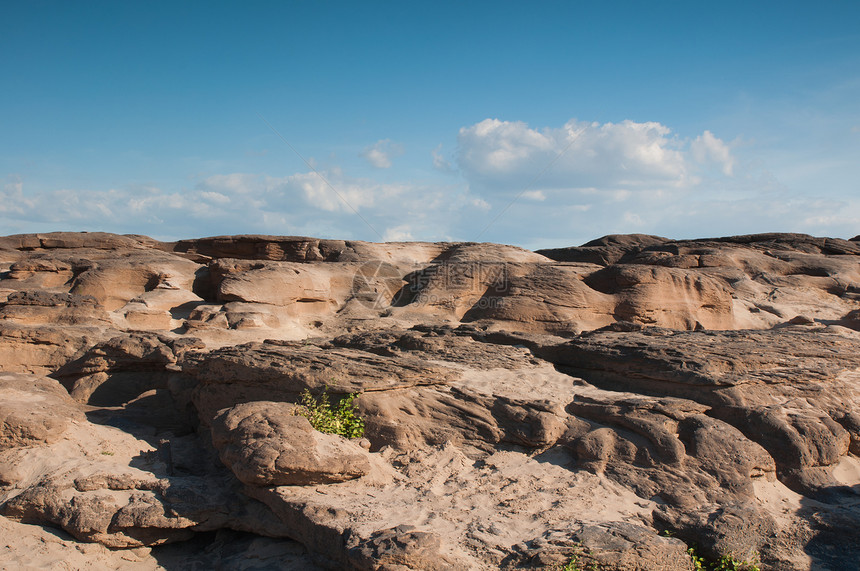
(503, 444)
(43, 349)
(604, 251)
(401, 547)
(784, 389)
(613, 546)
(43, 308)
(266, 444)
(33, 410)
(117, 370)
(282, 370)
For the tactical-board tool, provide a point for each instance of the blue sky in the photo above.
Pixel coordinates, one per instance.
(537, 124)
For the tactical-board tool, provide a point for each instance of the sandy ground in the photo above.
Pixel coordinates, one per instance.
(30, 547)
(481, 508)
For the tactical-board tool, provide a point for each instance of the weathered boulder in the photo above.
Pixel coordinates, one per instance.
(791, 391)
(267, 444)
(77, 240)
(741, 530)
(100, 483)
(114, 281)
(33, 410)
(612, 546)
(401, 547)
(304, 249)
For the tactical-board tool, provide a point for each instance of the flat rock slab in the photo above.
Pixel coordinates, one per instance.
(282, 370)
(710, 358)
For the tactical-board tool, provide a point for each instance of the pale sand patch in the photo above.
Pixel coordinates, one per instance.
(29, 547)
(480, 508)
(847, 471)
(783, 505)
(32, 547)
(543, 382)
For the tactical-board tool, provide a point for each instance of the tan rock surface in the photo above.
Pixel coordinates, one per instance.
(33, 410)
(522, 408)
(267, 444)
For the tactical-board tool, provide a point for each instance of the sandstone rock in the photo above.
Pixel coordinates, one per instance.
(401, 547)
(266, 444)
(739, 530)
(437, 343)
(38, 272)
(302, 249)
(282, 370)
(44, 348)
(785, 389)
(40, 307)
(102, 484)
(131, 521)
(604, 251)
(117, 280)
(116, 371)
(77, 240)
(27, 546)
(418, 417)
(523, 407)
(673, 298)
(143, 318)
(613, 546)
(33, 410)
(547, 298)
(272, 283)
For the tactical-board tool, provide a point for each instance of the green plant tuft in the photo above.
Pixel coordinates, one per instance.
(574, 563)
(724, 563)
(343, 419)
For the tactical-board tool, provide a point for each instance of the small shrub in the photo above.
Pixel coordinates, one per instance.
(343, 419)
(724, 563)
(574, 564)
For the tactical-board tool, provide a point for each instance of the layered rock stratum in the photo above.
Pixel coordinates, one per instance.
(612, 403)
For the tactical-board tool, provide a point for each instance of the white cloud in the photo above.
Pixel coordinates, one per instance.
(402, 233)
(329, 190)
(235, 203)
(440, 163)
(381, 153)
(234, 183)
(576, 182)
(505, 155)
(537, 195)
(216, 197)
(336, 193)
(707, 148)
(12, 200)
(481, 204)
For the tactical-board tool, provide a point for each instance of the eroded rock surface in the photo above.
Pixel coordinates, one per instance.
(33, 410)
(267, 444)
(610, 403)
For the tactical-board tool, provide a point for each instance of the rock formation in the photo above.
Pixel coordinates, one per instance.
(612, 403)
